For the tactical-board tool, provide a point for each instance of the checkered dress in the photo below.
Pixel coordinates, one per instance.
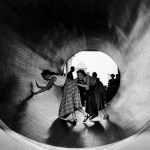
(71, 100)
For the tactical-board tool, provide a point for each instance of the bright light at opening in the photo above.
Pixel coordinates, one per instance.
(95, 62)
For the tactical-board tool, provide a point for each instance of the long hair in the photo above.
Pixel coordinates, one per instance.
(94, 74)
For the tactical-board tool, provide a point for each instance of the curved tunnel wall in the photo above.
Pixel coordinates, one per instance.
(29, 44)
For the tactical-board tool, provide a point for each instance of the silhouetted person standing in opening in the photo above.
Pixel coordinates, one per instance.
(70, 73)
(113, 85)
(112, 82)
(117, 79)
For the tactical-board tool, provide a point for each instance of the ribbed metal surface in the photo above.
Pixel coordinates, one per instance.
(36, 35)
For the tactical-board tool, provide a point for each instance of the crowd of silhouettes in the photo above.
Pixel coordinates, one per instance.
(110, 90)
(70, 73)
(94, 95)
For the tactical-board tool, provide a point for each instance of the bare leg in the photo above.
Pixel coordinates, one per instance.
(105, 114)
(83, 112)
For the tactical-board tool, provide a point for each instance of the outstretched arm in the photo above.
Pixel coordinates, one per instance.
(82, 85)
(47, 87)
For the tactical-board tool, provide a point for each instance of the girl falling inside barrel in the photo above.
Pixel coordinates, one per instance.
(71, 100)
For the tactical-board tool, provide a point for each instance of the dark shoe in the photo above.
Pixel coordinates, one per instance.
(106, 117)
(86, 118)
(73, 121)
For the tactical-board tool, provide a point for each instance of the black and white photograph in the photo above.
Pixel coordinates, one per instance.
(74, 74)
